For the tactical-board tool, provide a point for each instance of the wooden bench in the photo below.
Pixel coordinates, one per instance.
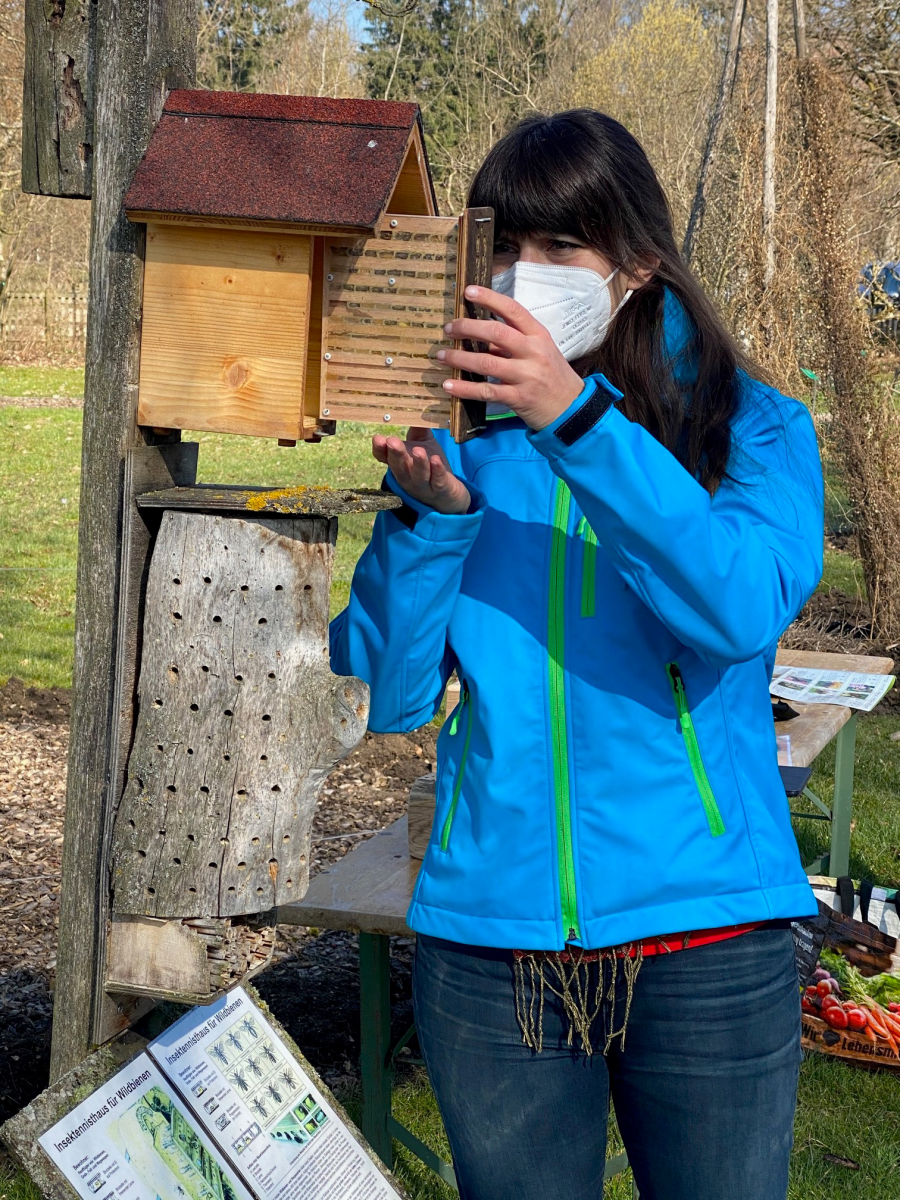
(811, 731)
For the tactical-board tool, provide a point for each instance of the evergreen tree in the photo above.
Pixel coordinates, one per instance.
(237, 36)
(416, 57)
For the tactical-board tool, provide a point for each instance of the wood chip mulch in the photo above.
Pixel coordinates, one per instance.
(362, 795)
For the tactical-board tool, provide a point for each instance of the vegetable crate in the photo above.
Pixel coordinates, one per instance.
(850, 966)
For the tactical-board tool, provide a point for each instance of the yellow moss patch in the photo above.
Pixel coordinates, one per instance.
(301, 498)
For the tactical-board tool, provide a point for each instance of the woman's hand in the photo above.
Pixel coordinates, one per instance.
(420, 469)
(535, 381)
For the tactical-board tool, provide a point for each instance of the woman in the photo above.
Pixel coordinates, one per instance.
(604, 904)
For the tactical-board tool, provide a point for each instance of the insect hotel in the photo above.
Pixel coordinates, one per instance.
(296, 271)
(296, 274)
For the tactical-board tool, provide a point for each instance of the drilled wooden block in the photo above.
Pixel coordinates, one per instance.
(240, 718)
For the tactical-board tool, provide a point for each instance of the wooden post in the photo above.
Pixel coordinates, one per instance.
(58, 98)
(142, 50)
(769, 138)
(716, 127)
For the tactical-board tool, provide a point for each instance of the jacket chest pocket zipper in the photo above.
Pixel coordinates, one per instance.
(588, 568)
(689, 733)
(463, 711)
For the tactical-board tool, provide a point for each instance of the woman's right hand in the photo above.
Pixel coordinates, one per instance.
(421, 470)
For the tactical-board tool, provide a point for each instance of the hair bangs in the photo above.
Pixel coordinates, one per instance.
(534, 183)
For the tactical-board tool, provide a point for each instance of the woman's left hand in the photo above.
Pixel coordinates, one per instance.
(535, 381)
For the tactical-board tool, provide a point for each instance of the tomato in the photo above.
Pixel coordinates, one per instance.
(809, 1008)
(894, 1007)
(836, 1017)
(812, 995)
(857, 1019)
(827, 987)
(830, 1002)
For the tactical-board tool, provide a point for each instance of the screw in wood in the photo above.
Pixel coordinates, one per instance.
(326, 412)
(393, 224)
(329, 278)
(391, 281)
(328, 358)
(389, 361)
(387, 416)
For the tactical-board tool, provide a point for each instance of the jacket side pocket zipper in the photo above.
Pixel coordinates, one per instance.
(689, 733)
(588, 568)
(463, 706)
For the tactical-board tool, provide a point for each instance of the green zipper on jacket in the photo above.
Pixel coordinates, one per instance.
(689, 733)
(457, 785)
(588, 568)
(556, 641)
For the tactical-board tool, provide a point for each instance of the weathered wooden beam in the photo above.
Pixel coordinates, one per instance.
(58, 101)
(142, 50)
(290, 501)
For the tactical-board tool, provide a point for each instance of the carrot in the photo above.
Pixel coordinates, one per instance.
(882, 1032)
(888, 1021)
(889, 1026)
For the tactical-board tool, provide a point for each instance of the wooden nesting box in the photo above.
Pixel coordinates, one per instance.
(297, 272)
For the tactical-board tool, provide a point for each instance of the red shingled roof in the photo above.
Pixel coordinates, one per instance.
(273, 158)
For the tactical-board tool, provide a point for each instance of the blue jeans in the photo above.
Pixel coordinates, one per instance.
(704, 1089)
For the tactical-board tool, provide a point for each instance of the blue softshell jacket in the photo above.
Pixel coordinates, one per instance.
(611, 771)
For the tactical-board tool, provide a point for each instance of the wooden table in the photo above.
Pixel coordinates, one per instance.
(810, 732)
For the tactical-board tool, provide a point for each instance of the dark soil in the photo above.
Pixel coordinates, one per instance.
(21, 703)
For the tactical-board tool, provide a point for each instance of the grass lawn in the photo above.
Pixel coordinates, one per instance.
(39, 488)
(843, 1112)
(58, 382)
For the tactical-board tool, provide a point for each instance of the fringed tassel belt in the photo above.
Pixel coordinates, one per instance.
(586, 993)
(568, 975)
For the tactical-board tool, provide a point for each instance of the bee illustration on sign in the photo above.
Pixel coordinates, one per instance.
(239, 1079)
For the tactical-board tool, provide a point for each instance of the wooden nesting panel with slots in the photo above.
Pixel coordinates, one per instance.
(296, 271)
(387, 299)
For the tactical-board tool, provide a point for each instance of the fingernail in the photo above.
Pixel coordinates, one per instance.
(447, 385)
(441, 354)
(472, 291)
(448, 328)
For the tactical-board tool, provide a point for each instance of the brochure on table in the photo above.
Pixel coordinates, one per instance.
(216, 1108)
(813, 686)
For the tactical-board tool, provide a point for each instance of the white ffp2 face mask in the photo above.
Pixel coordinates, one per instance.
(572, 303)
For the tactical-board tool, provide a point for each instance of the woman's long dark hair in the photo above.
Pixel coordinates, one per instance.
(582, 173)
